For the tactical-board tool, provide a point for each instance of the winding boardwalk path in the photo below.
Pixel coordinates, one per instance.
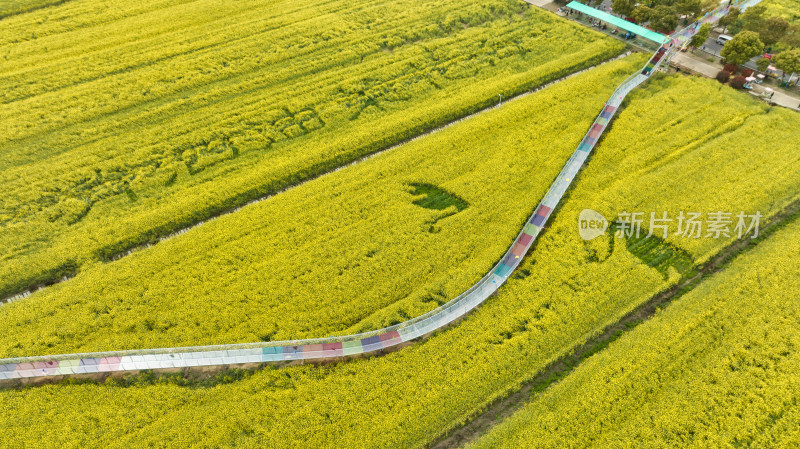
(334, 347)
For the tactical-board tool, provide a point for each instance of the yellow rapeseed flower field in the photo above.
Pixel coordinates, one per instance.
(124, 121)
(565, 291)
(719, 368)
(359, 248)
(742, 146)
(12, 7)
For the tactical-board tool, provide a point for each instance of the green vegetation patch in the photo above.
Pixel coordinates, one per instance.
(437, 198)
(656, 253)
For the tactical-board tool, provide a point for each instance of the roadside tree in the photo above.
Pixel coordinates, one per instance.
(788, 61)
(663, 18)
(754, 18)
(792, 36)
(641, 14)
(728, 19)
(742, 47)
(701, 35)
(774, 29)
(624, 7)
(690, 8)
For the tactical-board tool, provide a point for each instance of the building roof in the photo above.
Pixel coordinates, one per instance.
(618, 22)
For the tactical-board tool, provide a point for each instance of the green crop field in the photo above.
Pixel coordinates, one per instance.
(665, 146)
(124, 121)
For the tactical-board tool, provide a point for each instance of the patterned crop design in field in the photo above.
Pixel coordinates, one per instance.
(565, 292)
(367, 246)
(719, 368)
(124, 121)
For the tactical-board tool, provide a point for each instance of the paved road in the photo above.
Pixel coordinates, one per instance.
(710, 69)
(697, 65)
(711, 46)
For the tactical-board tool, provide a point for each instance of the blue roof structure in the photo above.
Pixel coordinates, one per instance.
(658, 38)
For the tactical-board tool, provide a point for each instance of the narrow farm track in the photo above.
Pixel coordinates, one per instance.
(56, 366)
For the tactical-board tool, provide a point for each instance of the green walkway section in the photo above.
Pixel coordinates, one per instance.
(618, 22)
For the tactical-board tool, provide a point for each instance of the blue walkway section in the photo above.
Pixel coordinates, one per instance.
(618, 22)
(327, 348)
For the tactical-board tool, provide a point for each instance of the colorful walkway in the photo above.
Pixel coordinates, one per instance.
(332, 347)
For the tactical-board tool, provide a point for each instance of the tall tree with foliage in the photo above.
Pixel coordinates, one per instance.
(773, 30)
(641, 14)
(702, 34)
(742, 47)
(792, 36)
(728, 19)
(623, 7)
(663, 18)
(690, 8)
(754, 18)
(788, 61)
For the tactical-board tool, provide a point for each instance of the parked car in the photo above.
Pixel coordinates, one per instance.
(723, 38)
